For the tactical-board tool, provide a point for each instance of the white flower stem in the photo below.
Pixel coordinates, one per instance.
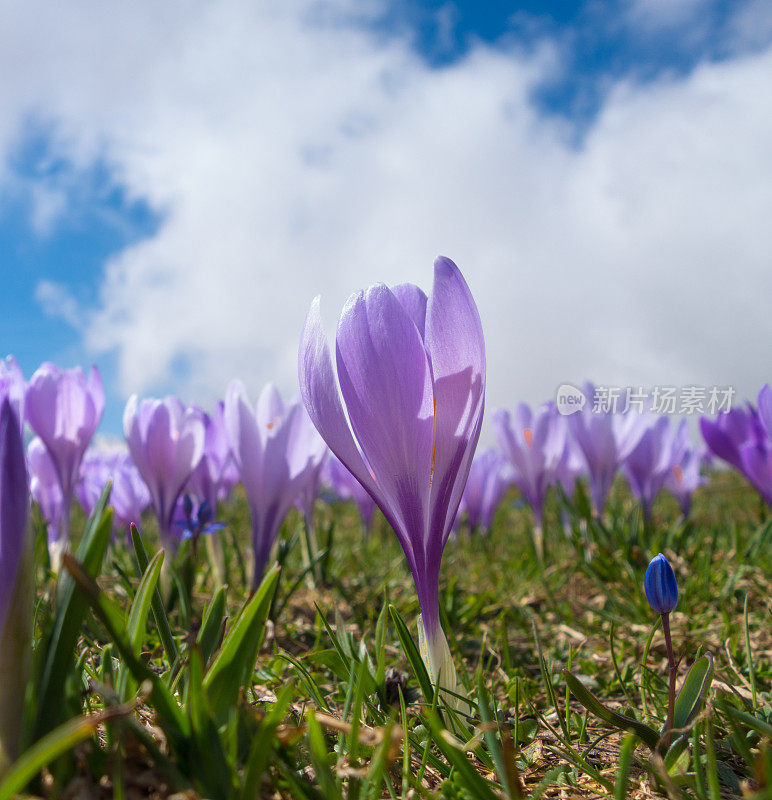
(439, 664)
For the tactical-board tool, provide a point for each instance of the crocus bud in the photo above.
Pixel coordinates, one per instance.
(660, 585)
(187, 506)
(204, 514)
(15, 583)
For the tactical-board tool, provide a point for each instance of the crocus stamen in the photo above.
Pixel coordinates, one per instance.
(528, 435)
(679, 474)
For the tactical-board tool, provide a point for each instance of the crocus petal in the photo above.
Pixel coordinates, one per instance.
(765, 408)
(454, 339)
(720, 442)
(12, 386)
(270, 408)
(756, 464)
(245, 441)
(97, 393)
(319, 390)
(386, 383)
(413, 300)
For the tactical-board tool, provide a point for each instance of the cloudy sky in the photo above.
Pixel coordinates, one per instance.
(178, 180)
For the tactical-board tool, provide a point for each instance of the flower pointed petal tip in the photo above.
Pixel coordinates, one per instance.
(447, 264)
(129, 414)
(413, 300)
(660, 585)
(765, 407)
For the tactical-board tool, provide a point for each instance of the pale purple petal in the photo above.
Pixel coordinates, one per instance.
(319, 390)
(386, 384)
(413, 300)
(454, 339)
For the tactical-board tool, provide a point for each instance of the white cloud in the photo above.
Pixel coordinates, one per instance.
(651, 16)
(57, 301)
(293, 153)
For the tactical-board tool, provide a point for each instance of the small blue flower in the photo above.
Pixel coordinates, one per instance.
(660, 584)
(192, 524)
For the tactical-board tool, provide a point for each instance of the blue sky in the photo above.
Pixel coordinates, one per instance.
(80, 191)
(71, 250)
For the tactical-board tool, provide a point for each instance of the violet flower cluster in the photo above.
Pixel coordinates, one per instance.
(546, 449)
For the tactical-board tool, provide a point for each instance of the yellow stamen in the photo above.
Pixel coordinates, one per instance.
(528, 434)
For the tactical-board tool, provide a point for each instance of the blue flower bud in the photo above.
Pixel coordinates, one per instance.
(187, 506)
(660, 584)
(204, 514)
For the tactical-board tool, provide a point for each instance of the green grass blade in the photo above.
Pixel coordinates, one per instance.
(508, 780)
(211, 626)
(159, 612)
(412, 654)
(169, 713)
(693, 691)
(623, 771)
(264, 744)
(53, 745)
(208, 759)
(140, 607)
(232, 667)
(647, 735)
(319, 758)
(70, 613)
(472, 781)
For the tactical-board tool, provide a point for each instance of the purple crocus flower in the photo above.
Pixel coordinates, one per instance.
(535, 445)
(216, 474)
(64, 408)
(659, 449)
(684, 477)
(605, 439)
(15, 582)
(347, 487)
(756, 451)
(47, 493)
(489, 479)
(741, 438)
(412, 379)
(166, 442)
(129, 495)
(275, 459)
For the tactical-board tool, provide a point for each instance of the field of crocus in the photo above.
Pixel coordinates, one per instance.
(342, 596)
